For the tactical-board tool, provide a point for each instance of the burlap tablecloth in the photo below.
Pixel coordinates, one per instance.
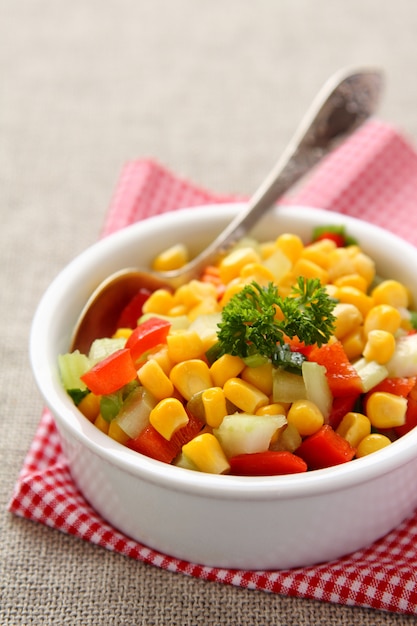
(212, 90)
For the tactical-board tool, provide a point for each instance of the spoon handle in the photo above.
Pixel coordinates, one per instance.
(346, 100)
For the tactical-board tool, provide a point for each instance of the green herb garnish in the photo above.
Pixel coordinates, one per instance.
(287, 359)
(111, 404)
(77, 395)
(413, 319)
(249, 325)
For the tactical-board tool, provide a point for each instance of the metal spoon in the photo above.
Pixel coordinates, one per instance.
(346, 100)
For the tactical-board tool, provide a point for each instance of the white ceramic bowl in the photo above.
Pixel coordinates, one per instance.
(225, 521)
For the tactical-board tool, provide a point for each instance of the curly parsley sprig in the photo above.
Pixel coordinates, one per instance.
(250, 325)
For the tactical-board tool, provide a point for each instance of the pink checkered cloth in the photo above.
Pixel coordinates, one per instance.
(372, 176)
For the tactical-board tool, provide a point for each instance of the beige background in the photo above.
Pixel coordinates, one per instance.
(213, 90)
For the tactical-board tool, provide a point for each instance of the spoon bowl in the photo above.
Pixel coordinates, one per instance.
(346, 100)
(103, 307)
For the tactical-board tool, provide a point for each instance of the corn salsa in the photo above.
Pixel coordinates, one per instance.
(283, 357)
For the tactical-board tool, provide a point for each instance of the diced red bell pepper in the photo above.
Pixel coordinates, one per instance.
(340, 406)
(337, 238)
(111, 374)
(398, 386)
(211, 274)
(342, 377)
(268, 463)
(133, 310)
(150, 443)
(324, 449)
(296, 345)
(147, 335)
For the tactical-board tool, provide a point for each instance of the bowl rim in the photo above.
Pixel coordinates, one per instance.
(229, 487)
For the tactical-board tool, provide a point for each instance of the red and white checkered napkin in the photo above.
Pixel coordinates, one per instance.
(373, 176)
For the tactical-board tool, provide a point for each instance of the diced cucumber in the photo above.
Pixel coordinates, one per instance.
(102, 348)
(133, 417)
(278, 264)
(177, 321)
(110, 405)
(371, 373)
(404, 361)
(242, 433)
(195, 405)
(287, 387)
(185, 463)
(72, 365)
(206, 326)
(317, 387)
(246, 242)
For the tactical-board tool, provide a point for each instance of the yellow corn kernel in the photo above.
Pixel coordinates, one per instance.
(153, 377)
(352, 250)
(225, 367)
(382, 317)
(190, 377)
(90, 406)
(171, 259)
(184, 344)
(275, 408)
(234, 287)
(232, 264)
(258, 272)
(352, 280)
(348, 318)
(354, 427)
(101, 424)
(122, 333)
(372, 443)
(354, 343)
(279, 315)
(305, 416)
(161, 356)
(406, 324)
(278, 264)
(194, 292)
(214, 403)
(266, 248)
(379, 347)
(288, 439)
(386, 410)
(117, 433)
(178, 310)
(205, 307)
(331, 290)
(291, 245)
(308, 269)
(244, 395)
(318, 252)
(206, 453)
(351, 295)
(340, 264)
(168, 416)
(160, 301)
(286, 285)
(260, 377)
(391, 292)
(365, 266)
